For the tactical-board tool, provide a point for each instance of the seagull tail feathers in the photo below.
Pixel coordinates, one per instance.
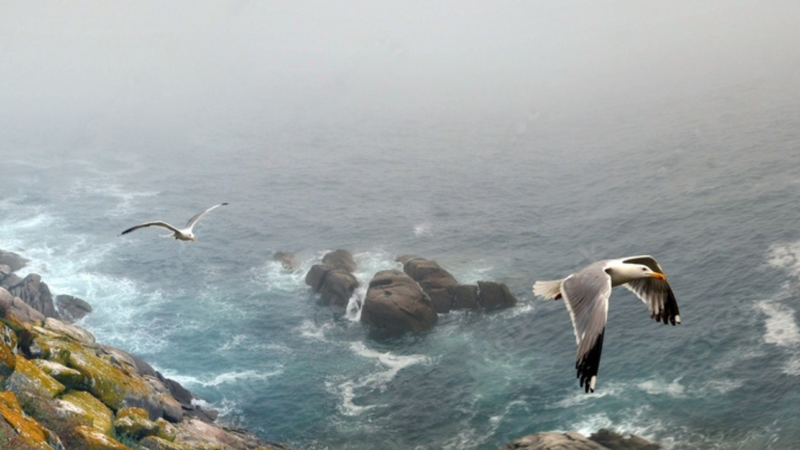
(548, 289)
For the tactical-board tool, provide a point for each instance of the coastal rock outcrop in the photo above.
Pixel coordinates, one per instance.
(35, 292)
(434, 280)
(447, 294)
(62, 390)
(396, 304)
(333, 280)
(12, 260)
(602, 440)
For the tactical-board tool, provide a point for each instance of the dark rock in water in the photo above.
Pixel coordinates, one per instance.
(287, 260)
(316, 275)
(12, 260)
(396, 304)
(72, 308)
(434, 280)
(616, 441)
(33, 291)
(608, 440)
(492, 295)
(337, 287)
(340, 259)
(333, 279)
(466, 297)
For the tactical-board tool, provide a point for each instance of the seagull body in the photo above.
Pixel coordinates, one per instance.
(184, 234)
(586, 294)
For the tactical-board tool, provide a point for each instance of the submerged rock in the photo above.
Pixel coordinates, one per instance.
(287, 260)
(396, 304)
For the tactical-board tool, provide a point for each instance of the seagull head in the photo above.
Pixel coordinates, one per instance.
(626, 272)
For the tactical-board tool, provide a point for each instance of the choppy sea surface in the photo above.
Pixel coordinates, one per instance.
(707, 183)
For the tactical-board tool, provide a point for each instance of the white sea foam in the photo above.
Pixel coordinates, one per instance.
(388, 364)
(781, 328)
(231, 377)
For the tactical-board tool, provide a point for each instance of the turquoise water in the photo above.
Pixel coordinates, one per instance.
(706, 183)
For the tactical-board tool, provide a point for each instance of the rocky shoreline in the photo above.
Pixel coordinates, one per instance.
(60, 389)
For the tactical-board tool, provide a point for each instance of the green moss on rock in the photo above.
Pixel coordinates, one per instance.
(157, 443)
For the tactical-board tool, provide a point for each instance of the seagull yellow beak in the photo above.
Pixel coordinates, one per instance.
(192, 239)
(659, 276)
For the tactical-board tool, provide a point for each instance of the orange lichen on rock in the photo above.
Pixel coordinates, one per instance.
(28, 429)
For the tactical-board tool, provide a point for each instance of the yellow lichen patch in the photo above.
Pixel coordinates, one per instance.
(92, 409)
(8, 350)
(38, 377)
(104, 380)
(28, 429)
(135, 427)
(166, 430)
(95, 440)
(133, 411)
(70, 378)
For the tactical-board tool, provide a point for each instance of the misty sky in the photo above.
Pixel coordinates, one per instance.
(79, 66)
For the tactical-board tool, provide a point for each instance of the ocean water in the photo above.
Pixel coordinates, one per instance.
(706, 182)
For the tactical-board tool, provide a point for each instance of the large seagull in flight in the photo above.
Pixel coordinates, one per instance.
(586, 294)
(184, 234)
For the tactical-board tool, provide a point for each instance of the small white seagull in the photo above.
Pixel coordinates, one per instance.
(184, 234)
(586, 294)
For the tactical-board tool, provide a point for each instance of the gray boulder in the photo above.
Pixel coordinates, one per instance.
(492, 295)
(12, 260)
(333, 280)
(17, 308)
(33, 291)
(434, 280)
(465, 296)
(396, 304)
(340, 259)
(72, 308)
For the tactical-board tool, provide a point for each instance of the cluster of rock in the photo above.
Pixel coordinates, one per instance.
(63, 390)
(602, 440)
(35, 292)
(60, 389)
(401, 301)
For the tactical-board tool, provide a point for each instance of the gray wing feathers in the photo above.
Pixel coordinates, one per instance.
(658, 297)
(151, 224)
(656, 294)
(197, 216)
(586, 297)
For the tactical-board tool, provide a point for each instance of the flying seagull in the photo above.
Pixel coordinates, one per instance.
(184, 234)
(586, 294)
